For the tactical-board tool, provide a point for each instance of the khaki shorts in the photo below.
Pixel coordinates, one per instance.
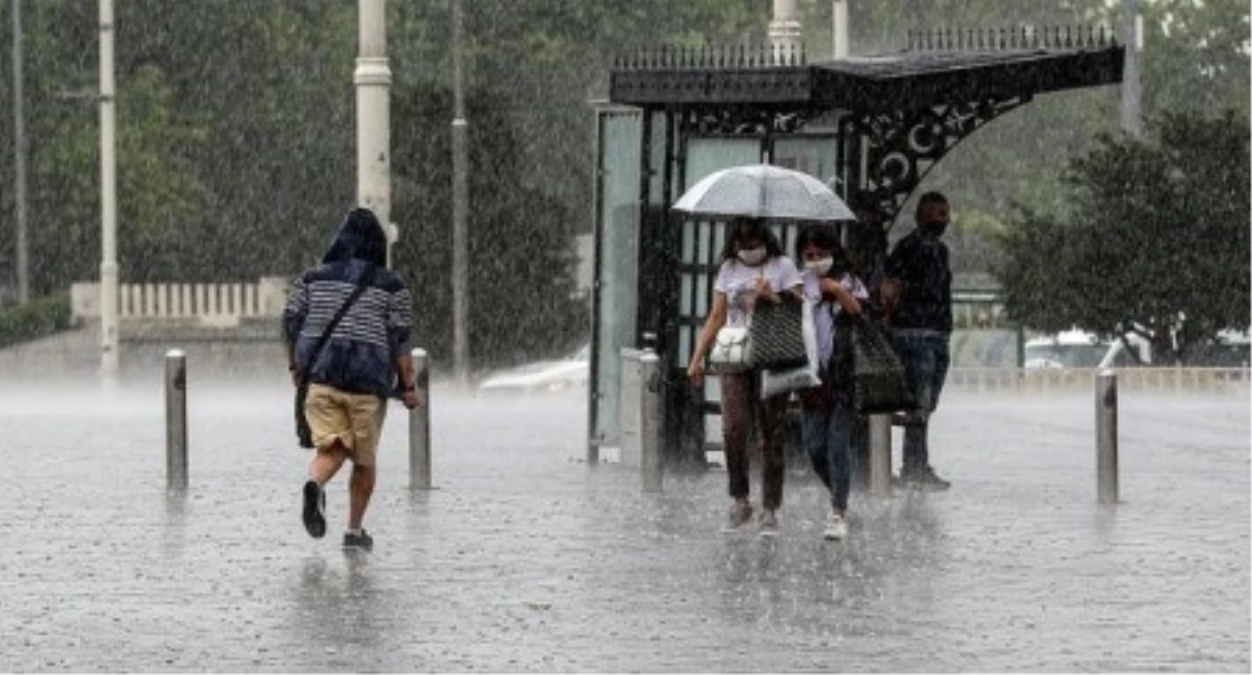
(356, 420)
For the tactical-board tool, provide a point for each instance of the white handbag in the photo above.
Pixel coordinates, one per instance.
(729, 353)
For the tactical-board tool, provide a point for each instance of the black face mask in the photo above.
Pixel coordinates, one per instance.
(935, 227)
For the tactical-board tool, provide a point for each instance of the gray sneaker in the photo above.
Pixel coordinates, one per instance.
(926, 479)
(362, 541)
(740, 513)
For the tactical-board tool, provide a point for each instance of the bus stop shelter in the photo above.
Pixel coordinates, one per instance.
(876, 123)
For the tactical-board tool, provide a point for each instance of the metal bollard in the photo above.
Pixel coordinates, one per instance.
(175, 420)
(1106, 436)
(652, 422)
(419, 425)
(880, 455)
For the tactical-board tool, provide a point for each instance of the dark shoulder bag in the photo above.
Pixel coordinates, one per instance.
(878, 378)
(776, 334)
(303, 432)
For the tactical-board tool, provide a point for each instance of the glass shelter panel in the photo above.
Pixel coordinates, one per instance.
(817, 156)
(620, 132)
(702, 242)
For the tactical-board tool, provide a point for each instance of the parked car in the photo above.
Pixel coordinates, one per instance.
(1067, 349)
(552, 375)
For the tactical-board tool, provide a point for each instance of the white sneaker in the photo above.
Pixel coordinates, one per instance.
(836, 527)
(769, 523)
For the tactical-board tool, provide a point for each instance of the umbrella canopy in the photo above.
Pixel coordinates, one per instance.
(764, 191)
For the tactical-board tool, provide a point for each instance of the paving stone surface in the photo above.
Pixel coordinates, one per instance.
(524, 558)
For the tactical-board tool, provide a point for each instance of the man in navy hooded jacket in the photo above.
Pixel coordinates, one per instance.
(365, 360)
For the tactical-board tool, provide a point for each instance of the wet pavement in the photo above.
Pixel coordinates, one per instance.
(526, 559)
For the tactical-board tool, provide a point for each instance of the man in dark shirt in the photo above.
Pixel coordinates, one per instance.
(917, 297)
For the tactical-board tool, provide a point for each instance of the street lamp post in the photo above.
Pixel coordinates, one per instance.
(19, 159)
(839, 29)
(460, 205)
(108, 199)
(373, 116)
(1131, 92)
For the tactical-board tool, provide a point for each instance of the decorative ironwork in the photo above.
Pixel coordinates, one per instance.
(745, 120)
(712, 56)
(904, 145)
(1009, 39)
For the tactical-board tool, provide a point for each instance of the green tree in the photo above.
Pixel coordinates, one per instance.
(1155, 239)
(522, 295)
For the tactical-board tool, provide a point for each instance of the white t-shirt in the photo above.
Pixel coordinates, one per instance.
(738, 282)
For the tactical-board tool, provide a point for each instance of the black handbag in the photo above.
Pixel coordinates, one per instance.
(776, 334)
(303, 433)
(879, 381)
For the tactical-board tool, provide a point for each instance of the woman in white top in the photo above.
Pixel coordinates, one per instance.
(829, 419)
(753, 270)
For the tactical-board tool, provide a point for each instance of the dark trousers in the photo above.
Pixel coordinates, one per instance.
(830, 432)
(741, 403)
(925, 359)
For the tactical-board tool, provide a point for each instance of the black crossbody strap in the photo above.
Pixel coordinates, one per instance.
(366, 280)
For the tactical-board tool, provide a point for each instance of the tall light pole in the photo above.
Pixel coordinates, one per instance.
(19, 159)
(460, 204)
(1132, 121)
(373, 115)
(839, 29)
(108, 199)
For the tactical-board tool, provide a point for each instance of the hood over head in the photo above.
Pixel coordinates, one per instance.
(360, 236)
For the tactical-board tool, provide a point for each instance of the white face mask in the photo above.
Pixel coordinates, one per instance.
(819, 267)
(753, 256)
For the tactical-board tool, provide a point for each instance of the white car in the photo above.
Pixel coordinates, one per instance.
(1067, 349)
(543, 376)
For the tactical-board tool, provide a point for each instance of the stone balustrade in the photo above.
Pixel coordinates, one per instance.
(209, 304)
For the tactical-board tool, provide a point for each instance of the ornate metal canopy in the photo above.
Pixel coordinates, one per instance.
(935, 69)
(909, 108)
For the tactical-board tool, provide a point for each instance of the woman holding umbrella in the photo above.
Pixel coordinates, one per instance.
(753, 270)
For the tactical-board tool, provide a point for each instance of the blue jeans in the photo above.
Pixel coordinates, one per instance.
(925, 357)
(828, 432)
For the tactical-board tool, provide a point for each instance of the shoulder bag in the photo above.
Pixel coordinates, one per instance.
(303, 432)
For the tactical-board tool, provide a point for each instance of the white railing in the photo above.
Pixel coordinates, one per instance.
(222, 304)
(1166, 379)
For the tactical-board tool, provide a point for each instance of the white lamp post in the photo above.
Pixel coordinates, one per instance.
(108, 199)
(839, 29)
(373, 116)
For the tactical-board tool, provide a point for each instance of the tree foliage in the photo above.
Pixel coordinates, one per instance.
(1154, 239)
(236, 130)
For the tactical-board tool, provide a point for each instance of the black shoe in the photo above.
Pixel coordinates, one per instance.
(925, 478)
(362, 541)
(314, 510)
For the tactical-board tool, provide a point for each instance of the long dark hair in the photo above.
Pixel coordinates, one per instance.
(824, 237)
(743, 228)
